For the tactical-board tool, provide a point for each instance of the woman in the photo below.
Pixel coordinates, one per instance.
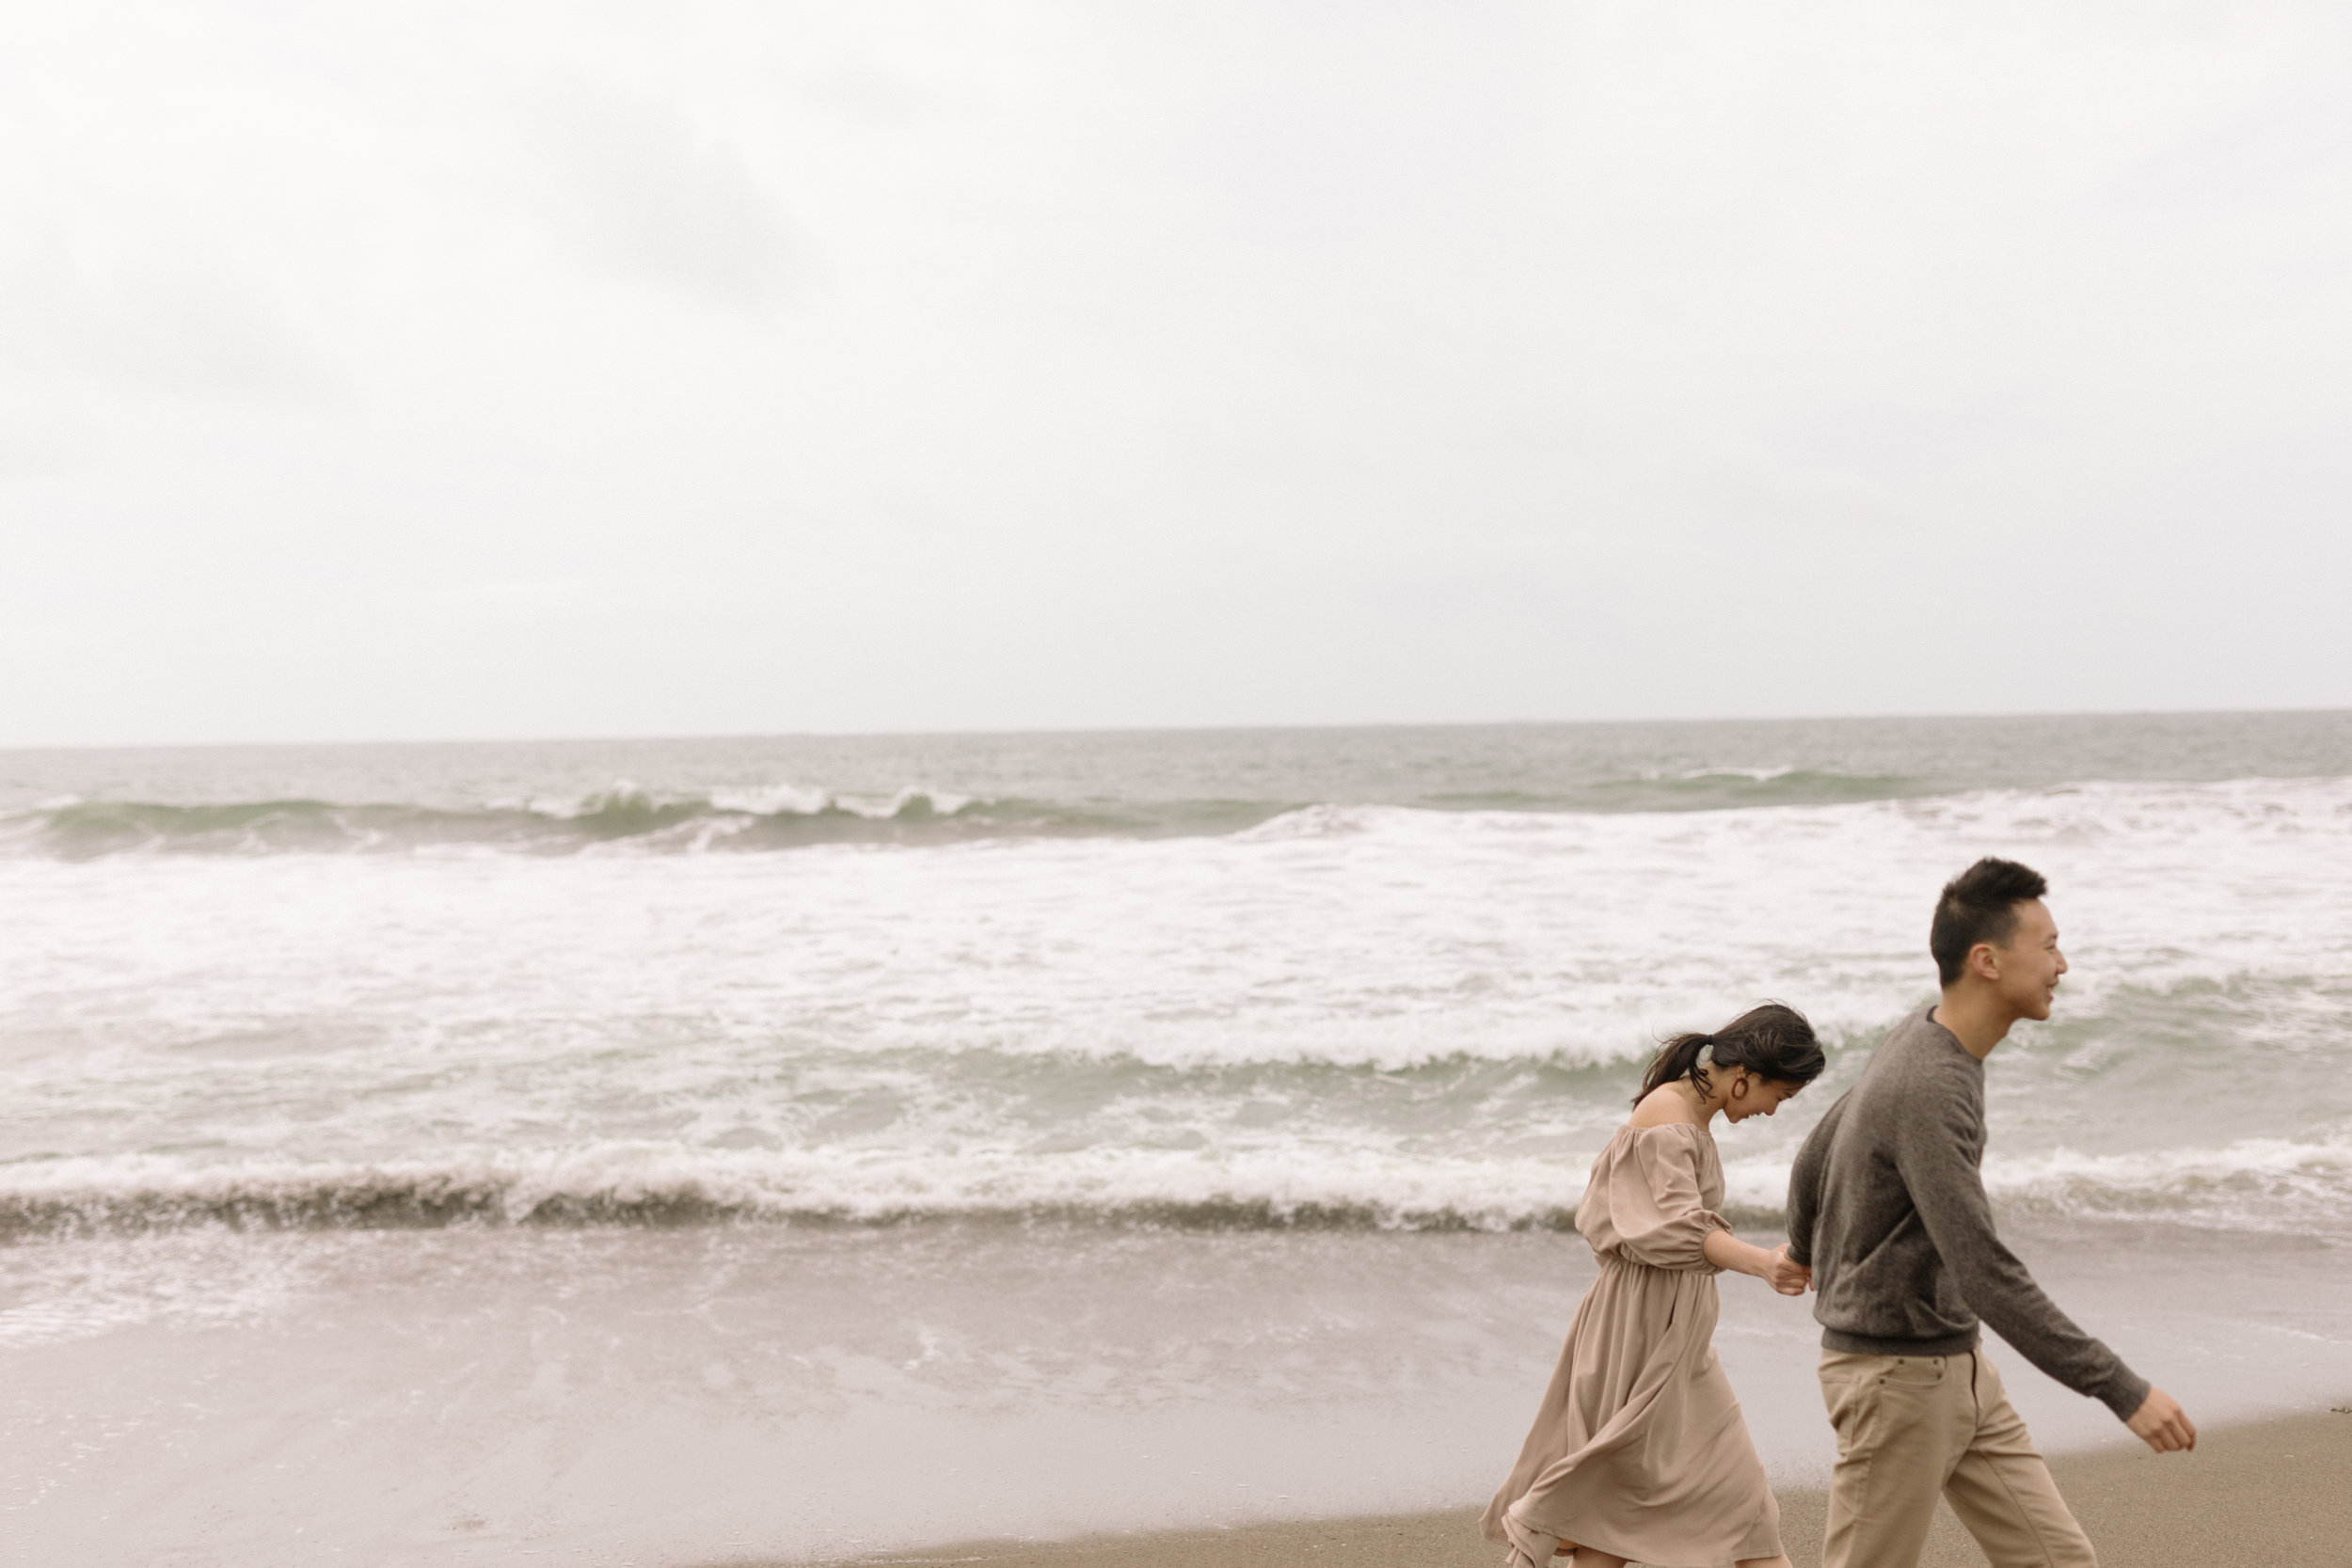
(1639, 1452)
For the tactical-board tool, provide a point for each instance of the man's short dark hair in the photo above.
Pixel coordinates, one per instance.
(1979, 904)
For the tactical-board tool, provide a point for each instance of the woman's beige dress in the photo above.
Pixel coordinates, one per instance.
(1639, 1448)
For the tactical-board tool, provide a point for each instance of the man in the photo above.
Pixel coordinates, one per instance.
(1888, 1206)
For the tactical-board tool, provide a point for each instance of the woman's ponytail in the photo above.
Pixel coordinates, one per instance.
(1683, 1056)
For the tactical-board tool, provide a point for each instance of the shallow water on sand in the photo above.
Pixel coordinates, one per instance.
(689, 1395)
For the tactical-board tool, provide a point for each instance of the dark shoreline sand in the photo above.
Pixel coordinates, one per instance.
(2266, 1494)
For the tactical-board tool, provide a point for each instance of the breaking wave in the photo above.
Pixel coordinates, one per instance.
(1145, 1188)
(2273, 1185)
(780, 818)
(788, 817)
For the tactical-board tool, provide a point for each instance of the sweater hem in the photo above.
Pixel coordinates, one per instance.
(1871, 1344)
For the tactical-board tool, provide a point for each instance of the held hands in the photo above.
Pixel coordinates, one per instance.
(1784, 1273)
(1726, 1251)
(2162, 1424)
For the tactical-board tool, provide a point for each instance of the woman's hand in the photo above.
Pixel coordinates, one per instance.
(1784, 1274)
(1727, 1251)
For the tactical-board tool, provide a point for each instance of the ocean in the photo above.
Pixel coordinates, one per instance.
(702, 1151)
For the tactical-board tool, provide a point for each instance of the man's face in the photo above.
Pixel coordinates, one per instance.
(2031, 962)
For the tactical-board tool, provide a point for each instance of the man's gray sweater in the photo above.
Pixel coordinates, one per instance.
(1887, 1204)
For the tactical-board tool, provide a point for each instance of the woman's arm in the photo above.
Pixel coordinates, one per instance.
(1727, 1251)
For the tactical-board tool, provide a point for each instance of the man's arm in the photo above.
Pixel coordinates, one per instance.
(1804, 1182)
(1933, 1153)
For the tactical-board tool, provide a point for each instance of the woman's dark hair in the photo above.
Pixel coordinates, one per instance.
(1772, 1041)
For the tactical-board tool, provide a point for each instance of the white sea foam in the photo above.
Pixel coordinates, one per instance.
(1759, 775)
(767, 800)
(99, 1286)
(1386, 1011)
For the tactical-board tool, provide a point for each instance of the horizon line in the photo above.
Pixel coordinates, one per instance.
(1072, 730)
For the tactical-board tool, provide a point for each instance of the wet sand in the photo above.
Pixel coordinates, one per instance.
(2267, 1494)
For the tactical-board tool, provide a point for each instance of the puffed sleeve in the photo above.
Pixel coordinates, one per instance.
(1653, 1201)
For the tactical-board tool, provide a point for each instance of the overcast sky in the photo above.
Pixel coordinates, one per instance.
(493, 369)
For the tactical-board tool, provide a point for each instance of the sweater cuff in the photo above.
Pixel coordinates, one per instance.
(2123, 1393)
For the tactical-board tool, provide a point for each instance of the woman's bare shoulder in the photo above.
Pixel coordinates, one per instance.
(1664, 1106)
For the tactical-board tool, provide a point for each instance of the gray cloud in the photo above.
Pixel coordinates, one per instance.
(152, 304)
(633, 186)
(1197, 364)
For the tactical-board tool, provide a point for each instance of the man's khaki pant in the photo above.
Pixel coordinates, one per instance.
(1910, 1427)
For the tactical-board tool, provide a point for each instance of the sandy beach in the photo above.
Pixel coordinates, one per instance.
(2273, 1494)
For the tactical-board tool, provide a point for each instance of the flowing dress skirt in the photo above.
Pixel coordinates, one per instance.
(1639, 1447)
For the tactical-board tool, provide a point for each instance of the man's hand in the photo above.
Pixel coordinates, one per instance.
(2162, 1424)
(1784, 1273)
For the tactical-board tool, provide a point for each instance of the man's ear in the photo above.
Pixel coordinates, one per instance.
(1984, 962)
